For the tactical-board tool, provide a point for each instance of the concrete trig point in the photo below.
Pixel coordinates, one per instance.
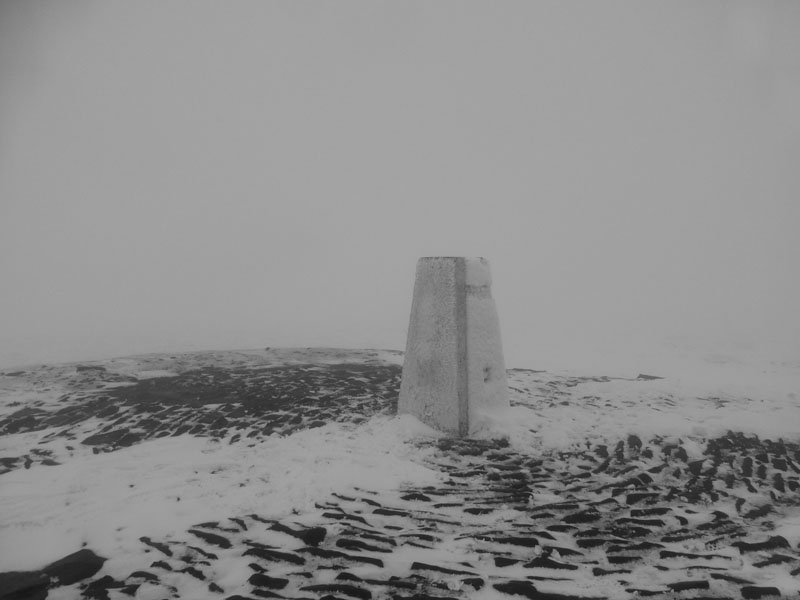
(453, 370)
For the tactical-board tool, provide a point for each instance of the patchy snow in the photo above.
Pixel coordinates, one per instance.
(162, 487)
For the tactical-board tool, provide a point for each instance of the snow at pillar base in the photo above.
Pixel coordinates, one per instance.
(454, 374)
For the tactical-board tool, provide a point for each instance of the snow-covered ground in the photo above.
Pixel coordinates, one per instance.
(161, 487)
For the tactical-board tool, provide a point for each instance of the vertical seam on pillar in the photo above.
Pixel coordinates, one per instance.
(462, 364)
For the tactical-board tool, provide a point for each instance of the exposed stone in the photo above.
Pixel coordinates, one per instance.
(157, 545)
(548, 563)
(74, 567)
(312, 536)
(350, 590)
(416, 496)
(773, 543)
(211, 538)
(265, 581)
(349, 544)
(420, 566)
(275, 555)
(682, 586)
(23, 585)
(754, 592)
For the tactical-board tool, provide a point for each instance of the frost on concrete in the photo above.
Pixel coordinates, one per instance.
(487, 383)
(454, 371)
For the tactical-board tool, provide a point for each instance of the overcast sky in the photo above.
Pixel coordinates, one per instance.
(201, 175)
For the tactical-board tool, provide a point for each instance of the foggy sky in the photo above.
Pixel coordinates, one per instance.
(202, 175)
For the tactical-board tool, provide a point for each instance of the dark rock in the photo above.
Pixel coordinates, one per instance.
(81, 368)
(23, 585)
(635, 497)
(211, 538)
(598, 571)
(591, 542)
(344, 516)
(213, 587)
(528, 590)
(349, 544)
(775, 559)
(420, 566)
(541, 515)
(690, 555)
(130, 589)
(641, 522)
(527, 542)
(416, 496)
(343, 588)
(753, 592)
(542, 562)
(476, 583)
(649, 512)
(75, 567)
(311, 536)
(392, 582)
(561, 551)
(196, 573)
(772, 543)
(160, 564)
(621, 560)
(478, 511)
(619, 451)
(586, 516)
(275, 556)
(519, 588)
(265, 581)
(640, 547)
(335, 554)
(119, 438)
(560, 528)
(98, 589)
(682, 586)
(157, 545)
(502, 561)
(391, 512)
(151, 577)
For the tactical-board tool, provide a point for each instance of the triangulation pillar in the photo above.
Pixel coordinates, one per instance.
(453, 371)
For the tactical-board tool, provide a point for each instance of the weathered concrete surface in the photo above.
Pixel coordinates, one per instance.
(454, 370)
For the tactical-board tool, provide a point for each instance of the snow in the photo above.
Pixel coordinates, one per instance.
(162, 487)
(478, 272)
(693, 398)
